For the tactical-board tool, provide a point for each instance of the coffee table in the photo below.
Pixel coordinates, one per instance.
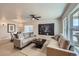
(38, 43)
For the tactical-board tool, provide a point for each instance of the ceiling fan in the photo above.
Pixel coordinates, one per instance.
(35, 17)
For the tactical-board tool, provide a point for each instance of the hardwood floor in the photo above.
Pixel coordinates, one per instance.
(7, 49)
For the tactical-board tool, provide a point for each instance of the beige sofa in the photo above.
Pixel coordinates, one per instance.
(59, 47)
(22, 40)
(20, 43)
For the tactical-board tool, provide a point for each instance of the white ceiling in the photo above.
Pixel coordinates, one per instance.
(45, 10)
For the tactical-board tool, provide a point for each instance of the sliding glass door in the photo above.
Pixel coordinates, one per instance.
(74, 28)
(71, 29)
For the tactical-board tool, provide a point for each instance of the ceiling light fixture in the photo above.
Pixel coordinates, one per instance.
(33, 19)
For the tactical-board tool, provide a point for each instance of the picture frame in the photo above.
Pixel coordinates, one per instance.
(11, 28)
(46, 29)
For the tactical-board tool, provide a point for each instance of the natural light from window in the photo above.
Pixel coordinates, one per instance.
(75, 22)
(28, 28)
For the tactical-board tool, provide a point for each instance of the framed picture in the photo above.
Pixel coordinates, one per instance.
(46, 29)
(11, 28)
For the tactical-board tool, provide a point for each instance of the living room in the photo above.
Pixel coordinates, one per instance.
(38, 29)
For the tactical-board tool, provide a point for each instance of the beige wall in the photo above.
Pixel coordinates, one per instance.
(3, 28)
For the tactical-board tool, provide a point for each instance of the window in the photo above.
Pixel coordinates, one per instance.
(75, 22)
(74, 28)
(28, 28)
(71, 28)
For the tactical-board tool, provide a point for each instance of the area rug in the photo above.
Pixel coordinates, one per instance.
(32, 51)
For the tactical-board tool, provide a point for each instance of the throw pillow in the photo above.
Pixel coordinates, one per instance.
(64, 44)
(57, 37)
(15, 35)
(26, 35)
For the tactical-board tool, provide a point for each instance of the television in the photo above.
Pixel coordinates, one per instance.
(46, 29)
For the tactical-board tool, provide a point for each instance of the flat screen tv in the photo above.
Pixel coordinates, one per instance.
(46, 29)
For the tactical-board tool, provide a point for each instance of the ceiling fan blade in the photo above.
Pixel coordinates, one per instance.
(38, 17)
(32, 16)
(35, 17)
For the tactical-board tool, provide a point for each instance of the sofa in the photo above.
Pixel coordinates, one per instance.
(59, 46)
(54, 46)
(22, 40)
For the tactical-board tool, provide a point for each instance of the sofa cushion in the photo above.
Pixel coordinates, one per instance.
(66, 44)
(56, 37)
(63, 43)
(53, 44)
(20, 36)
(26, 35)
(60, 43)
